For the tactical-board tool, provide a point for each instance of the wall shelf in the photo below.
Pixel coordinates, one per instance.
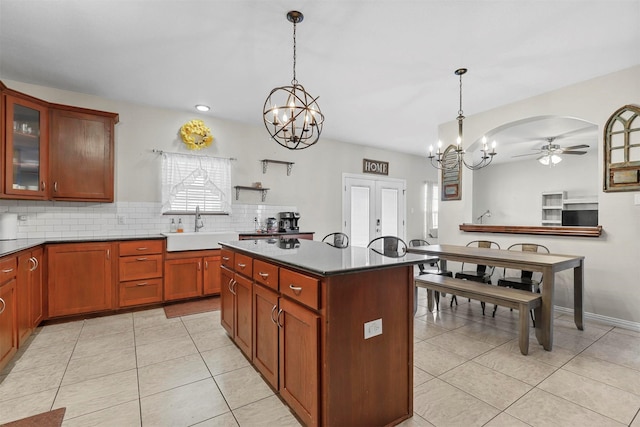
(265, 162)
(538, 230)
(241, 187)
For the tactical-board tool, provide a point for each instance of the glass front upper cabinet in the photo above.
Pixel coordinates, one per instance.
(26, 148)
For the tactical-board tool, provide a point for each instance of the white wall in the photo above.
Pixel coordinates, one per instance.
(314, 186)
(612, 270)
(512, 191)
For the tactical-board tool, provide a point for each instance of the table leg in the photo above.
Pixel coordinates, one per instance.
(429, 300)
(546, 322)
(578, 295)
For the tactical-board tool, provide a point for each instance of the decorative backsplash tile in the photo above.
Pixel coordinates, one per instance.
(81, 219)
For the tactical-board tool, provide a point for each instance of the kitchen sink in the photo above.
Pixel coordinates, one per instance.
(200, 240)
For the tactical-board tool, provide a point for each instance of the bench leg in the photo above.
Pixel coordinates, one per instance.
(429, 300)
(524, 330)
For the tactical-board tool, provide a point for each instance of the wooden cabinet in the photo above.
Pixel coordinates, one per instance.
(265, 333)
(52, 151)
(29, 293)
(81, 155)
(191, 274)
(140, 272)
(299, 360)
(80, 278)
(25, 144)
(8, 329)
(236, 300)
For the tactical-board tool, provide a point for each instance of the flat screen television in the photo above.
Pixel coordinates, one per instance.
(581, 218)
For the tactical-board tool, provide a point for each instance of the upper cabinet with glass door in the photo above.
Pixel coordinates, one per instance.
(26, 130)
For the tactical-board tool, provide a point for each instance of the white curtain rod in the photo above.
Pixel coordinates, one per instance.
(157, 151)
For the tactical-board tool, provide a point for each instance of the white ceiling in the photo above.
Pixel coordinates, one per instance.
(383, 69)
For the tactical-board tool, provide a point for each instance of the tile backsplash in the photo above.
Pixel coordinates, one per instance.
(48, 219)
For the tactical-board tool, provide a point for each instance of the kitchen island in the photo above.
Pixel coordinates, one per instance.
(330, 329)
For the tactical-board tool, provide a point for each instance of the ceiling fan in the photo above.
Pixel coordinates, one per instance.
(549, 154)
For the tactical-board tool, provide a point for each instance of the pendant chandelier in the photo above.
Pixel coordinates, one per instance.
(292, 116)
(439, 161)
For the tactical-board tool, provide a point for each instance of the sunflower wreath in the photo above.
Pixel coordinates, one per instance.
(196, 135)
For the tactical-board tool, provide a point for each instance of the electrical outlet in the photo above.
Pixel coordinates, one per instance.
(122, 220)
(372, 329)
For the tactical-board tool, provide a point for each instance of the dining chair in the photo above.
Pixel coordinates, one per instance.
(337, 240)
(481, 273)
(390, 246)
(522, 279)
(434, 265)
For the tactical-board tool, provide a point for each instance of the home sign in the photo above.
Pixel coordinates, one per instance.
(375, 166)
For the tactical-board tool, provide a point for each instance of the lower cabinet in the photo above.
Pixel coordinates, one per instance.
(265, 333)
(29, 293)
(236, 313)
(80, 278)
(140, 272)
(191, 274)
(8, 309)
(299, 359)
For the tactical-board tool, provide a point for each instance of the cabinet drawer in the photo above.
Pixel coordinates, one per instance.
(299, 287)
(140, 247)
(227, 258)
(140, 292)
(244, 265)
(8, 268)
(140, 267)
(265, 273)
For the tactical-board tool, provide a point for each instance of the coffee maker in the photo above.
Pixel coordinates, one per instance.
(288, 222)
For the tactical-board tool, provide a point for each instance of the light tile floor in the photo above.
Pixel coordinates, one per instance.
(142, 369)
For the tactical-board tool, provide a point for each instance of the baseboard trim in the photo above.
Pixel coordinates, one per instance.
(612, 321)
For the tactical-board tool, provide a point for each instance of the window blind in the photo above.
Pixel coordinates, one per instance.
(189, 181)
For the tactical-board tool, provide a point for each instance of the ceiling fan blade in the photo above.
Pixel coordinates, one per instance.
(574, 152)
(576, 147)
(524, 155)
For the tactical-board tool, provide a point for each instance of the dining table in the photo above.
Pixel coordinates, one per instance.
(547, 264)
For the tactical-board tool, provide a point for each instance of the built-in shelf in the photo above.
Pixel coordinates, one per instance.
(548, 230)
(241, 187)
(581, 201)
(265, 162)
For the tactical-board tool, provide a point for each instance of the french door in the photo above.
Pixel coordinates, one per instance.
(372, 207)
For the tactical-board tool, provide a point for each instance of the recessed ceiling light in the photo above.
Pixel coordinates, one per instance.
(203, 108)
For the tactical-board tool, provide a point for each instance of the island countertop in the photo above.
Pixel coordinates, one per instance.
(320, 258)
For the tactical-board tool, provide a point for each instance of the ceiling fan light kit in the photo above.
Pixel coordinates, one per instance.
(440, 161)
(291, 115)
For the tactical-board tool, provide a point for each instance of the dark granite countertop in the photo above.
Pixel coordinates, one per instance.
(320, 258)
(271, 233)
(8, 247)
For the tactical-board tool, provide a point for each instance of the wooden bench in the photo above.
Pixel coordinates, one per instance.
(522, 301)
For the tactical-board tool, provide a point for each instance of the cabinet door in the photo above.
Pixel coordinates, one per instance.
(80, 278)
(36, 289)
(23, 289)
(242, 334)
(8, 339)
(182, 278)
(265, 333)
(211, 277)
(26, 152)
(299, 361)
(81, 156)
(227, 311)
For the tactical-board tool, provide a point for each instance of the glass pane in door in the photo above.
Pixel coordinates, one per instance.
(389, 212)
(360, 216)
(26, 148)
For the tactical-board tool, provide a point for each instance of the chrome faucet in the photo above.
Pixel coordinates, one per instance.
(199, 222)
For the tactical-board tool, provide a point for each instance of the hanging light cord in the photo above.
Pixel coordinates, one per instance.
(460, 112)
(294, 81)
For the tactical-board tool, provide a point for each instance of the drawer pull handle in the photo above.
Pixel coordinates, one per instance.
(278, 319)
(225, 258)
(242, 265)
(4, 305)
(141, 259)
(296, 289)
(8, 270)
(263, 275)
(142, 284)
(43, 186)
(273, 310)
(141, 249)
